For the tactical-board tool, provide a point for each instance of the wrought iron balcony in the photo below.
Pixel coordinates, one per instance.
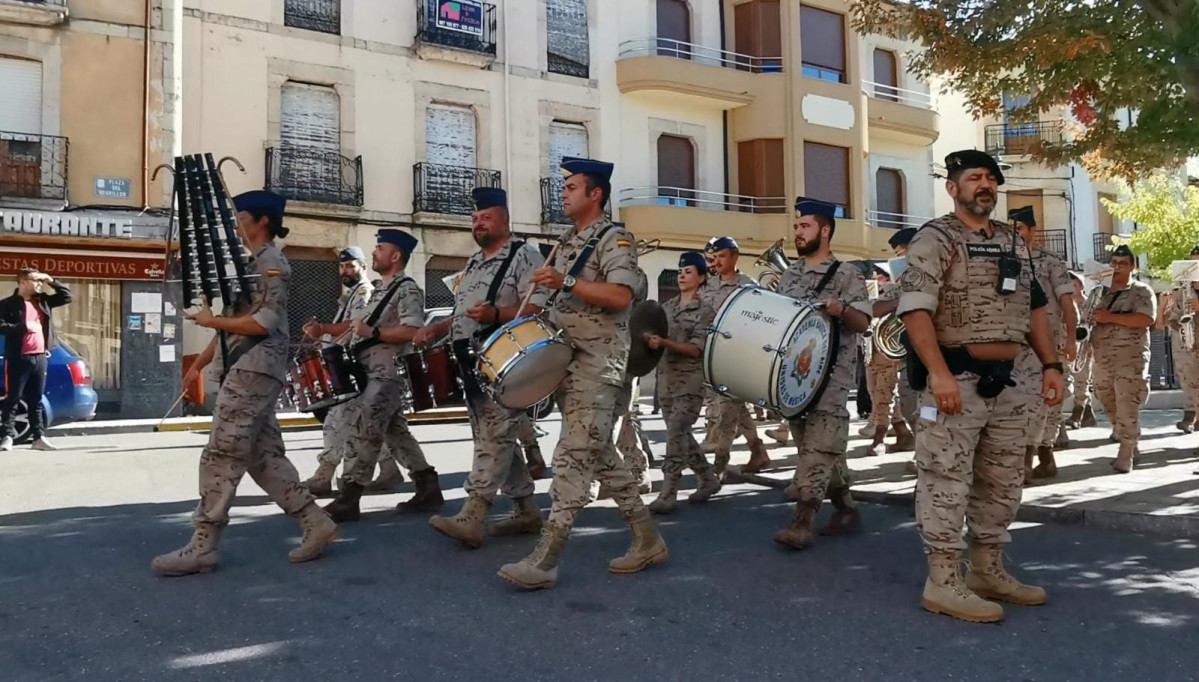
(1054, 241)
(457, 26)
(314, 15)
(1018, 139)
(1101, 241)
(552, 210)
(438, 188)
(313, 174)
(33, 166)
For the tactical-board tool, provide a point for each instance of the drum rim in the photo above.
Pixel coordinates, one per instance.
(536, 345)
(504, 328)
(834, 345)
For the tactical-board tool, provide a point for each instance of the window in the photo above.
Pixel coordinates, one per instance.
(823, 44)
(676, 170)
(314, 15)
(567, 48)
(450, 136)
(674, 29)
(889, 195)
(310, 116)
(565, 140)
(758, 32)
(668, 284)
(826, 175)
(20, 95)
(760, 174)
(886, 75)
(1106, 224)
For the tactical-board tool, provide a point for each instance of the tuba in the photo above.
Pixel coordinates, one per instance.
(777, 263)
(884, 336)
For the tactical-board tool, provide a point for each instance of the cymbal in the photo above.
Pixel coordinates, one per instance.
(647, 319)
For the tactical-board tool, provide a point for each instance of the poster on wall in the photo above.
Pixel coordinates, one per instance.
(464, 16)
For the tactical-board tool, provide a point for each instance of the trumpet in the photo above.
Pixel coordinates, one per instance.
(776, 262)
(1082, 333)
(1185, 273)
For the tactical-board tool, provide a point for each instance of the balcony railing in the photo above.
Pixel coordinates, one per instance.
(1100, 242)
(316, 175)
(314, 15)
(1018, 139)
(701, 54)
(890, 93)
(1054, 241)
(33, 166)
(895, 221)
(552, 210)
(457, 26)
(715, 201)
(445, 189)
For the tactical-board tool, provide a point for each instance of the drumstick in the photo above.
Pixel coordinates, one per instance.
(170, 409)
(533, 287)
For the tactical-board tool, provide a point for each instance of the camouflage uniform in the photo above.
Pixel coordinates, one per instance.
(245, 435)
(907, 396)
(496, 458)
(1121, 366)
(971, 464)
(1186, 362)
(377, 415)
(732, 416)
(1043, 420)
(822, 432)
(627, 436)
(683, 379)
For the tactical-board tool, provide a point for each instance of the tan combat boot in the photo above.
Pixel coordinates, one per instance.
(390, 476)
(1187, 423)
(467, 526)
(780, 435)
(648, 547)
(945, 592)
(1030, 454)
(1063, 438)
(1046, 466)
(534, 461)
(1075, 419)
(539, 570)
(709, 485)
(876, 441)
(199, 555)
(321, 483)
(868, 430)
(721, 463)
(758, 459)
(989, 579)
(799, 535)
(428, 493)
(525, 519)
(319, 531)
(905, 440)
(1088, 417)
(666, 502)
(845, 519)
(1124, 458)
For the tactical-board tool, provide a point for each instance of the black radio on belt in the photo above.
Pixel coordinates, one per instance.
(1009, 271)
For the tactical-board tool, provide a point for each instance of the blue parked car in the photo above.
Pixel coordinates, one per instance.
(68, 397)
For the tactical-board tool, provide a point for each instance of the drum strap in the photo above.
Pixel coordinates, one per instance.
(345, 307)
(494, 290)
(581, 261)
(828, 276)
(377, 312)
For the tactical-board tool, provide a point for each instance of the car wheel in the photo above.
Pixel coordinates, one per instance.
(21, 423)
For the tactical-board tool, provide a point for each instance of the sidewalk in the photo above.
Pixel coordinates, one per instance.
(1161, 496)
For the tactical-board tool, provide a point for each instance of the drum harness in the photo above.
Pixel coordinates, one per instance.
(464, 349)
(373, 318)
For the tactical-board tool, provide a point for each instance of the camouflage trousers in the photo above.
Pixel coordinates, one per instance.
(1122, 387)
(498, 461)
(682, 450)
(970, 466)
(1080, 393)
(585, 452)
(628, 437)
(732, 419)
(823, 469)
(1043, 420)
(881, 376)
(377, 418)
(245, 438)
(1186, 368)
(336, 432)
(525, 434)
(909, 401)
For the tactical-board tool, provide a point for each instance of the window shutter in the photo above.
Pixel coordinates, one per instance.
(566, 33)
(823, 39)
(311, 117)
(450, 136)
(826, 174)
(566, 139)
(888, 188)
(20, 96)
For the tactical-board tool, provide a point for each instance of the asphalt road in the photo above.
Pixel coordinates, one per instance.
(394, 600)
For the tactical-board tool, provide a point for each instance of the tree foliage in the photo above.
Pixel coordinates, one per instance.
(1096, 59)
(1167, 215)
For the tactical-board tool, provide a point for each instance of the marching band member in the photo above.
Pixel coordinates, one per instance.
(1175, 304)
(1055, 281)
(688, 319)
(732, 415)
(1082, 413)
(822, 431)
(396, 312)
(970, 303)
(593, 272)
(887, 303)
(489, 295)
(1120, 344)
(626, 439)
(882, 373)
(245, 436)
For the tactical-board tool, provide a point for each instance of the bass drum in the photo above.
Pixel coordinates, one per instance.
(770, 350)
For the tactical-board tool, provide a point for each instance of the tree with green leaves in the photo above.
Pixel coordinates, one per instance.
(1166, 212)
(1097, 59)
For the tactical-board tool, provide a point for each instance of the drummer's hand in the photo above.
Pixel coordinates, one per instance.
(203, 316)
(483, 313)
(834, 307)
(944, 387)
(424, 335)
(363, 329)
(312, 329)
(548, 278)
(654, 341)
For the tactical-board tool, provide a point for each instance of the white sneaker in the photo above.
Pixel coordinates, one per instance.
(6, 444)
(43, 444)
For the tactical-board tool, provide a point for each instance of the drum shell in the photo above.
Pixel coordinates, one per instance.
(524, 361)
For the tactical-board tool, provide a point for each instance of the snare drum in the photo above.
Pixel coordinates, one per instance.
(771, 350)
(524, 361)
(431, 378)
(323, 378)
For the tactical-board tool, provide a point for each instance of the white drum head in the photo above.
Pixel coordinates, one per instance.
(804, 369)
(533, 376)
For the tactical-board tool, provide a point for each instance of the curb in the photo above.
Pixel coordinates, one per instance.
(1102, 519)
(205, 424)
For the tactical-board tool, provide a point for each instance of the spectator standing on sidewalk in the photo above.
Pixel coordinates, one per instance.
(28, 330)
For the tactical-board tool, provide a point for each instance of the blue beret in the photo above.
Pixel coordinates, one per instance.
(1023, 214)
(261, 200)
(723, 243)
(902, 237)
(398, 238)
(805, 206)
(573, 166)
(1123, 250)
(489, 197)
(351, 253)
(972, 158)
(693, 258)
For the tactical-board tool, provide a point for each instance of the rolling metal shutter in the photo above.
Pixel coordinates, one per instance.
(20, 95)
(310, 117)
(450, 136)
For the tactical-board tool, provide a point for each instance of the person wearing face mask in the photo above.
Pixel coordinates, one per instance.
(26, 322)
(970, 303)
